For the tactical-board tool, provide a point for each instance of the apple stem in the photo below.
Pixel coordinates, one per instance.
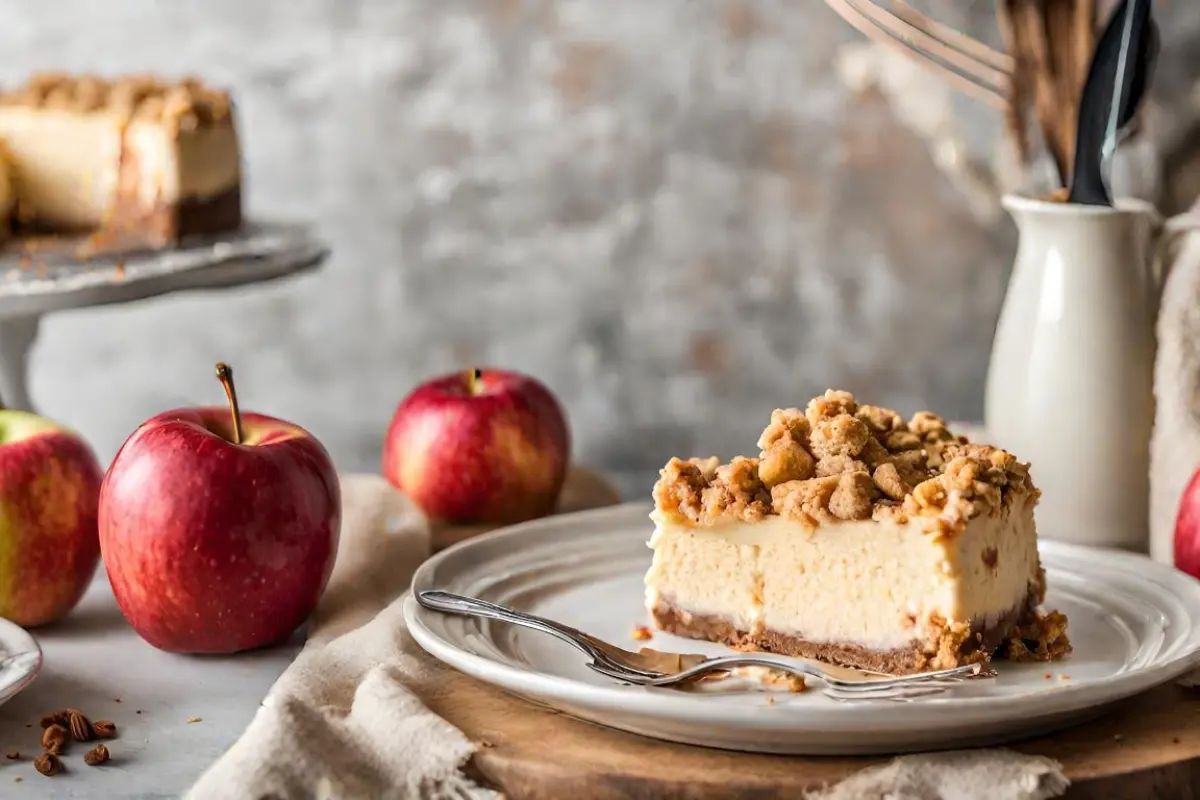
(225, 376)
(473, 381)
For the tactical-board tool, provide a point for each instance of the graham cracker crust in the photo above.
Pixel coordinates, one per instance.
(977, 644)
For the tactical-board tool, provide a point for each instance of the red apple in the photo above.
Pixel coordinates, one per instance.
(49, 490)
(479, 446)
(1187, 529)
(219, 529)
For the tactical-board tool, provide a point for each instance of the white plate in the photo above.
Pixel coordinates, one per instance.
(1135, 624)
(20, 659)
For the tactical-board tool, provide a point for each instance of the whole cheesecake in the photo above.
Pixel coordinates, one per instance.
(148, 159)
(856, 538)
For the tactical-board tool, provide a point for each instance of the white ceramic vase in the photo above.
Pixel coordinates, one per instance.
(1070, 383)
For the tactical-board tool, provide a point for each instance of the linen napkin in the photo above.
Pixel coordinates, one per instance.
(346, 720)
(955, 775)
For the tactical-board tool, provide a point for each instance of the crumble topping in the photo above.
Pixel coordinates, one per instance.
(187, 103)
(1042, 638)
(838, 460)
(1037, 636)
(950, 646)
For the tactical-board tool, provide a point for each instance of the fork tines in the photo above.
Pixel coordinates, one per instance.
(964, 62)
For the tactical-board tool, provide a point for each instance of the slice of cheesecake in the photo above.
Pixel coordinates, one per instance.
(147, 159)
(855, 538)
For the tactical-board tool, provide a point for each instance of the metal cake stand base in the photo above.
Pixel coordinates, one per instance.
(38, 277)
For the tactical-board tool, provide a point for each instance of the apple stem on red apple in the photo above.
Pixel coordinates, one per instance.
(225, 376)
(473, 381)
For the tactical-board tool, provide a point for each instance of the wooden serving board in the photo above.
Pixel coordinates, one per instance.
(1147, 748)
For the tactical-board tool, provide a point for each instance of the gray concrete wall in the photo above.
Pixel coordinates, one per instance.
(672, 212)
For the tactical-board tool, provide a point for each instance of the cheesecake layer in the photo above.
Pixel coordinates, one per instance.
(872, 586)
(64, 164)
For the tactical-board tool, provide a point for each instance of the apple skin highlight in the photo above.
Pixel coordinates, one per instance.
(492, 446)
(217, 547)
(49, 495)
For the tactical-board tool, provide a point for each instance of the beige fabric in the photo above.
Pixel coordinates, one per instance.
(1175, 443)
(959, 775)
(345, 721)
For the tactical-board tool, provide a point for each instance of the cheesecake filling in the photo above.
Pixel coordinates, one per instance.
(173, 166)
(882, 587)
(64, 165)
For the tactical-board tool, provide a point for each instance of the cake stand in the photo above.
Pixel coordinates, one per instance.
(40, 276)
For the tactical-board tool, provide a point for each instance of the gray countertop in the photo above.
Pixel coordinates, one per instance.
(95, 662)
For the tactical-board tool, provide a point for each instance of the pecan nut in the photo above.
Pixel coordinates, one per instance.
(96, 756)
(47, 764)
(54, 739)
(81, 728)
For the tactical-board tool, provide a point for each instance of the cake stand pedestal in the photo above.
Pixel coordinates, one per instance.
(37, 277)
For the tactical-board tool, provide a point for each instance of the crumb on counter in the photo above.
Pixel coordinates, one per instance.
(192, 720)
(641, 633)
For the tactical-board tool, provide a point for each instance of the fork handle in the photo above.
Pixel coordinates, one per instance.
(451, 603)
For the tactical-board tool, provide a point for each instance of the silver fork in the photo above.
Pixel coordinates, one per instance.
(869, 687)
(653, 668)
